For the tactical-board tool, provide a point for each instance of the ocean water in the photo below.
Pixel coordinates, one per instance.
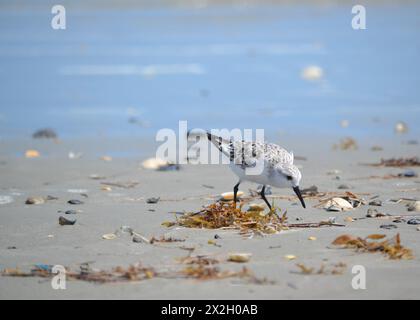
(130, 70)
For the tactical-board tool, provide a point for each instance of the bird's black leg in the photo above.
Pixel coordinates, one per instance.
(264, 198)
(235, 192)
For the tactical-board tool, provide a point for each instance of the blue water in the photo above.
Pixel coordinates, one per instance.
(216, 67)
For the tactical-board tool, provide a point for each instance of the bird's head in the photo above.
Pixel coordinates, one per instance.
(291, 176)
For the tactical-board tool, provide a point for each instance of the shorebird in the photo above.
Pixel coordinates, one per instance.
(277, 168)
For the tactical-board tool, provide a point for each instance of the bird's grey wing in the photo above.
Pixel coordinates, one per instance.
(275, 154)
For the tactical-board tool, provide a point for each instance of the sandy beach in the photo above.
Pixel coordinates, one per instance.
(31, 234)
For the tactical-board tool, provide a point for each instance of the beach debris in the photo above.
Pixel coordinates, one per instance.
(344, 123)
(159, 164)
(333, 172)
(11, 248)
(347, 143)
(32, 153)
(35, 200)
(96, 177)
(109, 236)
(72, 211)
(45, 133)
(226, 215)
(375, 202)
(138, 238)
(216, 236)
(344, 186)
(401, 127)
(414, 221)
(375, 243)
(414, 206)
(164, 239)
(336, 269)
(152, 200)
(106, 188)
(376, 148)
(312, 238)
(239, 257)
(327, 223)
(312, 73)
(408, 174)
(106, 158)
(207, 186)
(349, 219)
(398, 162)
(258, 207)
(373, 213)
(74, 155)
(228, 196)
(75, 202)
(64, 221)
(388, 226)
(5, 199)
(311, 191)
(290, 257)
(123, 185)
(346, 202)
(338, 204)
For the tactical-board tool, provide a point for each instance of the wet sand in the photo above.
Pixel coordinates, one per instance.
(25, 229)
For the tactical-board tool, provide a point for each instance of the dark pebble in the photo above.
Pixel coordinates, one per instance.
(64, 221)
(377, 203)
(414, 221)
(11, 248)
(344, 186)
(388, 226)
(153, 200)
(408, 174)
(75, 201)
(216, 236)
(71, 212)
(51, 198)
(45, 133)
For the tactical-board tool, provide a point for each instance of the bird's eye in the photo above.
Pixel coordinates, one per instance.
(289, 178)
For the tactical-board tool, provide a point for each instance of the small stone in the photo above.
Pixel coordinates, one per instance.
(45, 133)
(373, 213)
(35, 200)
(408, 174)
(414, 221)
(388, 226)
(75, 201)
(109, 236)
(332, 219)
(377, 203)
(71, 212)
(312, 238)
(344, 186)
(290, 257)
(216, 236)
(11, 248)
(348, 219)
(153, 200)
(64, 221)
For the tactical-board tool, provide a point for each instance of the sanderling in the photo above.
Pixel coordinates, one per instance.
(277, 165)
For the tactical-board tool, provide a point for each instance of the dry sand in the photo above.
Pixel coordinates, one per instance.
(26, 227)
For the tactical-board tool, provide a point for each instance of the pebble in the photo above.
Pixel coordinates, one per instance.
(46, 133)
(414, 206)
(35, 200)
(388, 226)
(239, 257)
(414, 221)
(408, 174)
(344, 186)
(377, 203)
(64, 221)
(216, 236)
(153, 200)
(75, 201)
(71, 212)
(109, 236)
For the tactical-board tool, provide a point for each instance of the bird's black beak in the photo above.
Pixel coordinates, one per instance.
(297, 191)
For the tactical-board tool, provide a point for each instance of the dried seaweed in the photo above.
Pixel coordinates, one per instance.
(226, 215)
(335, 269)
(164, 239)
(374, 243)
(398, 162)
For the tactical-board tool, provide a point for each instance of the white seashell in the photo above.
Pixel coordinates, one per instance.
(415, 206)
(239, 257)
(401, 127)
(338, 204)
(229, 195)
(312, 73)
(109, 236)
(154, 163)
